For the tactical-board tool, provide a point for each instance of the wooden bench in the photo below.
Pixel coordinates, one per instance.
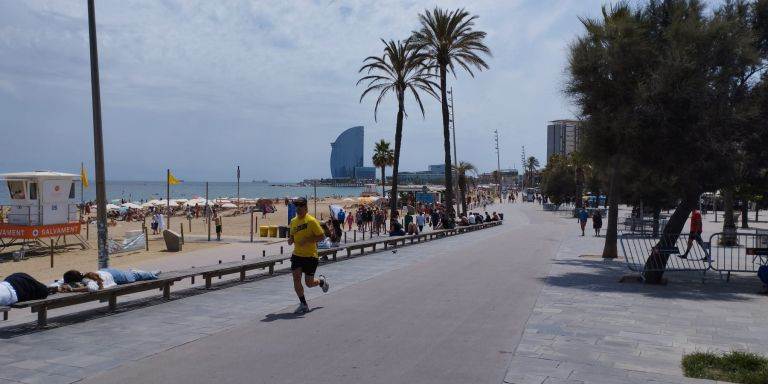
(5, 310)
(110, 295)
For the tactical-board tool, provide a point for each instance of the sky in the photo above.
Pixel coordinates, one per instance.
(201, 87)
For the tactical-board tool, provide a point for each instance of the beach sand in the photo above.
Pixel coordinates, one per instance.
(234, 228)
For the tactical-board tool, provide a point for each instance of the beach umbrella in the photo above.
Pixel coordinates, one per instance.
(228, 205)
(147, 205)
(132, 205)
(181, 201)
(112, 207)
(348, 199)
(156, 202)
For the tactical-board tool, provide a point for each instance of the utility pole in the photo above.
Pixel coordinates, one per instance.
(238, 188)
(498, 161)
(98, 142)
(522, 164)
(455, 158)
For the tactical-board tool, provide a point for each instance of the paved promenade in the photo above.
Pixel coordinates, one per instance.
(518, 303)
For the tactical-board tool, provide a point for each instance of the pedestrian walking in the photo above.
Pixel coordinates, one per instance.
(583, 216)
(305, 233)
(597, 222)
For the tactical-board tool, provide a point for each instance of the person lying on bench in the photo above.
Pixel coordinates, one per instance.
(22, 287)
(74, 281)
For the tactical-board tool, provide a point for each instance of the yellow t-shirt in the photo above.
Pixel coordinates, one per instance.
(302, 229)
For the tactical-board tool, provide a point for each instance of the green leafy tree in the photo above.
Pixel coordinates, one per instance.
(383, 157)
(401, 69)
(448, 38)
(461, 172)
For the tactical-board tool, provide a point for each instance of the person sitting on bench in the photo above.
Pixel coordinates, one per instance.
(22, 287)
(74, 281)
(396, 229)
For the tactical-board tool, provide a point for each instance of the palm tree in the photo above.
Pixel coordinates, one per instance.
(401, 68)
(383, 157)
(461, 172)
(530, 166)
(449, 40)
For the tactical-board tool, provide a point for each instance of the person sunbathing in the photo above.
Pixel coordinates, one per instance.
(75, 281)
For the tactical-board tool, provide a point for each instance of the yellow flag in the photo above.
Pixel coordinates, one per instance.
(83, 178)
(172, 180)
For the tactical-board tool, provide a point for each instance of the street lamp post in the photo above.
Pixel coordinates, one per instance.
(98, 142)
(498, 162)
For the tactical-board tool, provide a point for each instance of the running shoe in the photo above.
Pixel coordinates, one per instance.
(323, 283)
(301, 309)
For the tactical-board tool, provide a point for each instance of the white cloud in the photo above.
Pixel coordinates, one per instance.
(253, 80)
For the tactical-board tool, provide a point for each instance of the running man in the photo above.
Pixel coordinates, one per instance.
(305, 233)
(695, 235)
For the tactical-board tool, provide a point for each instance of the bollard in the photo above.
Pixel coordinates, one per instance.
(263, 253)
(281, 249)
(189, 219)
(363, 234)
(181, 225)
(146, 237)
(219, 275)
(51, 253)
(345, 237)
(251, 226)
(354, 236)
(193, 276)
(243, 257)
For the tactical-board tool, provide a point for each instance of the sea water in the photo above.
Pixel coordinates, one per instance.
(138, 191)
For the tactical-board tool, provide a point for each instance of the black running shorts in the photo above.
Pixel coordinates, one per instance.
(308, 265)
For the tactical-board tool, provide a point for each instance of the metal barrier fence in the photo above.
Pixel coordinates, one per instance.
(638, 248)
(723, 253)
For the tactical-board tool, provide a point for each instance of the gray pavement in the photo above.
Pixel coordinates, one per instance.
(515, 304)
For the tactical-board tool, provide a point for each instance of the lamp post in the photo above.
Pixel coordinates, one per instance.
(455, 159)
(498, 161)
(98, 142)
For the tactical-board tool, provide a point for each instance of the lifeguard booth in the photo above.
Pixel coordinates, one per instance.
(42, 205)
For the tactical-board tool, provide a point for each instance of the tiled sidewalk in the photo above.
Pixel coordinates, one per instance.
(589, 328)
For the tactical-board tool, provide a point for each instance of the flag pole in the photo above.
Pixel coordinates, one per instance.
(82, 194)
(168, 196)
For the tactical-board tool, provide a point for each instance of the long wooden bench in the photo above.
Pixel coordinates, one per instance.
(109, 295)
(167, 279)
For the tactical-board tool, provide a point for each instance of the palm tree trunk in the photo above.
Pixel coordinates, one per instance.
(612, 230)
(446, 139)
(383, 181)
(396, 165)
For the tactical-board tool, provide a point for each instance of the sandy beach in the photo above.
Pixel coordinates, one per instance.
(234, 228)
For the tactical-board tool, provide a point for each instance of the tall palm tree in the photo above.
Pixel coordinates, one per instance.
(531, 165)
(461, 172)
(449, 40)
(383, 157)
(401, 68)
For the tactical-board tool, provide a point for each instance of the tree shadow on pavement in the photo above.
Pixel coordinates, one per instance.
(604, 276)
(286, 315)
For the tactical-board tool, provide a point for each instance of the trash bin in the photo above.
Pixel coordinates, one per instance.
(263, 230)
(283, 231)
(273, 231)
(18, 255)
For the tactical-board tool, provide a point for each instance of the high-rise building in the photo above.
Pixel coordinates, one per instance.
(347, 156)
(563, 137)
